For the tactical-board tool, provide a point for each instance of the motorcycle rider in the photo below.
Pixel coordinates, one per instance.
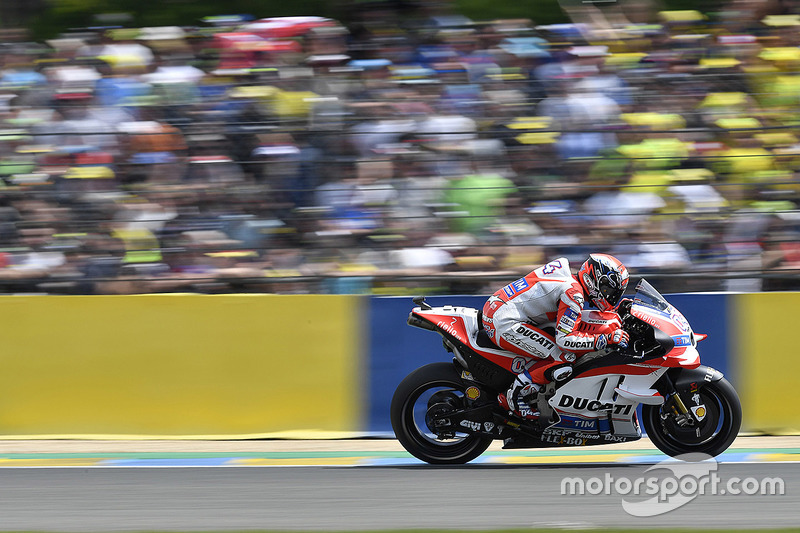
(518, 316)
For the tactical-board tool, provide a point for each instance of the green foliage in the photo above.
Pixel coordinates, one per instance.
(539, 11)
(64, 14)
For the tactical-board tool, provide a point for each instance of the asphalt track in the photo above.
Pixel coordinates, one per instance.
(77, 491)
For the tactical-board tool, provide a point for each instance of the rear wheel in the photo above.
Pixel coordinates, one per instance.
(721, 420)
(433, 390)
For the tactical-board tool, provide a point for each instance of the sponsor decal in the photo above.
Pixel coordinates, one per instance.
(709, 374)
(449, 328)
(473, 393)
(516, 287)
(585, 404)
(490, 332)
(567, 323)
(679, 320)
(572, 424)
(648, 319)
(682, 340)
(488, 426)
(558, 436)
(601, 343)
(474, 426)
(488, 319)
(614, 438)
(569, 357)
(579, 434)
(537, 337)
(564, 441)
(586, 343)
(699, 412)
(467, 375)
(510, 337)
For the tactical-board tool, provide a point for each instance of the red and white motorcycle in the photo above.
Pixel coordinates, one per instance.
(448, 413)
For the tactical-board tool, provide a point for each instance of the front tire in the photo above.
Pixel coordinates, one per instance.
(411, 429)
(712, 436)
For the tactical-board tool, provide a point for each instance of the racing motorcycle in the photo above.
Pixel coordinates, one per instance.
(448, 413)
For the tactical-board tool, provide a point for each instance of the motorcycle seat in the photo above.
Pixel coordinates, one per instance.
(482, 339)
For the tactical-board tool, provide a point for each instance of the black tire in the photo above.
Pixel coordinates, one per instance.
(711, 436)
(406, 427)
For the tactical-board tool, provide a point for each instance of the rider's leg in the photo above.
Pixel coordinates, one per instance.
(539, 350)
(549, 370)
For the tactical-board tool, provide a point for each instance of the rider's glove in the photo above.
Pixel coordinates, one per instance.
(619, 337)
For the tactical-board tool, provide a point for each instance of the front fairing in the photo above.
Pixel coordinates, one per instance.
(671, 328)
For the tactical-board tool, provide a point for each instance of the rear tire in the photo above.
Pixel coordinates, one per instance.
(408, 428)
(712, 436)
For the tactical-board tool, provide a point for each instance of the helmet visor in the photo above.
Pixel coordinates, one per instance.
(611, 288)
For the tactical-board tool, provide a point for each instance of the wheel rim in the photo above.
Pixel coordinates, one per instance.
(715, 425)
(416, 409)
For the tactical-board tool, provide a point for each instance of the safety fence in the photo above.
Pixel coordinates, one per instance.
(247, 366)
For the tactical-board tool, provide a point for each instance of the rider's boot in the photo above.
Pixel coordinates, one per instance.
(521, 397)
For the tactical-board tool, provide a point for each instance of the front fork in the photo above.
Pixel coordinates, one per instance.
(673, 403)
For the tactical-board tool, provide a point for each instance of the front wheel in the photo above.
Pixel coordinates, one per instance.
(712, 435)
(439, 387)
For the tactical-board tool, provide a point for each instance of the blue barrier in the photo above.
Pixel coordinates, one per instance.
(396, 349)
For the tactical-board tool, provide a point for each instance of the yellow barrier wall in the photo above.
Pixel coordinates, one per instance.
(766, 337)
(228, 365)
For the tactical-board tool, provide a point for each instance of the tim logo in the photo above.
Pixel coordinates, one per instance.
(682, 340)
(515, 288)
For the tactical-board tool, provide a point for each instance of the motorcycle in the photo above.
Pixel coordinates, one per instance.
(448, 413)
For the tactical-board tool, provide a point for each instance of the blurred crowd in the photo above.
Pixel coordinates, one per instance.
(403, 149)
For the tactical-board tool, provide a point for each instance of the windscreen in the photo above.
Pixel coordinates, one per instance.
(647, 296)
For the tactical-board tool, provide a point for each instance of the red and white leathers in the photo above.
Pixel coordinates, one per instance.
(516, 316)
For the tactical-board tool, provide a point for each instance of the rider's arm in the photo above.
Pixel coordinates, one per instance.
(570, 336)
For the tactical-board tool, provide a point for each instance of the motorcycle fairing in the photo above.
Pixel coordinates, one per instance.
(461, 323)
(606, 403)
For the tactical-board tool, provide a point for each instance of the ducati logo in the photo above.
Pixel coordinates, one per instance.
(584, 404)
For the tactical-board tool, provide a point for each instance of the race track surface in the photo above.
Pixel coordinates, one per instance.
(76, 491)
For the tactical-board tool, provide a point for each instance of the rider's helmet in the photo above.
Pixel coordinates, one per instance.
(604, 279)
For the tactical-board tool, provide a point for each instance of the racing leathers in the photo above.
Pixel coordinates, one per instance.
(539, 317)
